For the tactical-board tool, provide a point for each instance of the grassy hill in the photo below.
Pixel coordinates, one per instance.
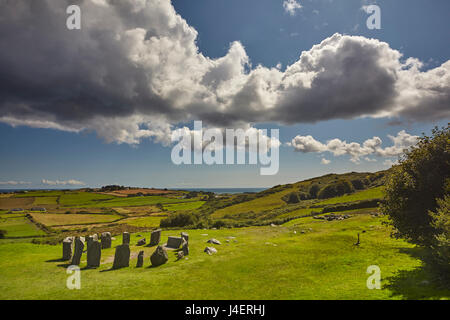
(284, 202)
(276, 244)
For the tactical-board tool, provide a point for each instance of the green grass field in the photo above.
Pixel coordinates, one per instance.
(45, 200)
(40, 193)
(304, 258)
(148, 222)
(96, 200)
(183, 206)
(17, 225)
(263, 263)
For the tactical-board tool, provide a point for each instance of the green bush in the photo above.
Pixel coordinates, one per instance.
(358, 184)
(335, 189)
(413, 187)
(292, 197)
(441, 222)
(314, 190)
(180, 219)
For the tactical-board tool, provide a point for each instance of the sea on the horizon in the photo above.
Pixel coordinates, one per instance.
(215, 190)
(224, 190)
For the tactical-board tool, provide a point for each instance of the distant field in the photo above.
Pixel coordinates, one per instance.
(45, 200)
(69, 219)
(10, 203)
(83, 199)
(39, 193)
(96, 200)
(150, 222)
(184, 206)
(19, 226)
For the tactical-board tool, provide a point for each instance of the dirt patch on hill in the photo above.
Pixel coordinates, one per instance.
(145, 191)
(10, 203)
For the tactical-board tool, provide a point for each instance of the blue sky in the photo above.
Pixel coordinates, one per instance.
(270, 36)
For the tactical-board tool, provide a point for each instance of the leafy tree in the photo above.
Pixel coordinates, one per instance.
(314, 190)
(415, 185)
(441, 222)
(292, 198)
(335, 189)
(180, 219)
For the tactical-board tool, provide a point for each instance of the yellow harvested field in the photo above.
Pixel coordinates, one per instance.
(70, 219)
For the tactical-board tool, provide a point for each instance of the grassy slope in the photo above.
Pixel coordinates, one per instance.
(183, 206)
(264, 263)
(17, 225)
(372, 193)
(274, 200)
(268, 202)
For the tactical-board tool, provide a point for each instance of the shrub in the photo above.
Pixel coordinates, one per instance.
(303, 195)
(358, 184)
(292, 197)
(180, 219)
(2, 234)
(413, 187)
(441, 222)
(335, 189)
(314, 190)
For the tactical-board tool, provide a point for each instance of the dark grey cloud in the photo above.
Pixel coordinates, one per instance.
(134, 71)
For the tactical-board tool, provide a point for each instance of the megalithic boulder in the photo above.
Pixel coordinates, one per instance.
(159, 257)
(67, 249)
(185, 247)
(140, 259)
(174, 242)
(94, 254)
(78, 251)
(122, 256)
(106, 240)
(185, 236)
(125, 238)
(155, 237)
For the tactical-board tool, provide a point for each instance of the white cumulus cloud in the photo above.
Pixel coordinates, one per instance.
(355, 150)
(291, 6)
(70, 182)
(134, 71)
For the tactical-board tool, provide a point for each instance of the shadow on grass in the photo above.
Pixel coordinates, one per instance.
(56, 260)
(419, 283)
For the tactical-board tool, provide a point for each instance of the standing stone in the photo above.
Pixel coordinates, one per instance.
(185, 236)
(94, 237)
(94, 254)
(122, 256)
(140, 259)
(106, 240)
(185, 247)
(159, 257)
(126, 238)
(174, 242)
(67, 249)
(89, 240)
(155, 237)
(78, 251)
